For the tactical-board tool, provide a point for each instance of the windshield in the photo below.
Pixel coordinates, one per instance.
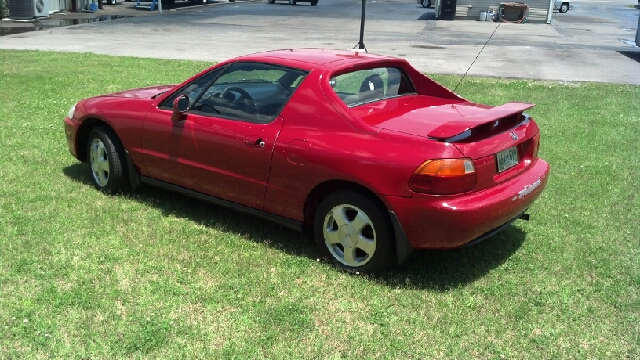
(364, 86)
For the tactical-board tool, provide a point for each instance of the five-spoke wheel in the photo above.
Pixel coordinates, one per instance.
(353, 231)
(105, 156)
(99, 162)
(349, 235)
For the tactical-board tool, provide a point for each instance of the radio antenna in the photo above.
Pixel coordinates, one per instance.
(360, 44)
(477, 56)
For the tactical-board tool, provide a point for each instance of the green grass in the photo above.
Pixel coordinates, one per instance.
(152, 274)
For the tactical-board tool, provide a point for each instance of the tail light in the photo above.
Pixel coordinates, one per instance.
(444, 177)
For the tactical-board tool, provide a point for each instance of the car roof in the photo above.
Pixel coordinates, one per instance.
(311, 59)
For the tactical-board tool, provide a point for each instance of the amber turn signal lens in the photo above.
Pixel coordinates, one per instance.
(446, 167)
(444, 177)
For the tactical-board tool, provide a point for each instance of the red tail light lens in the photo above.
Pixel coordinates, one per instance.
(444, 177)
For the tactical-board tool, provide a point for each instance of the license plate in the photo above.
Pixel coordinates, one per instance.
(507, 159)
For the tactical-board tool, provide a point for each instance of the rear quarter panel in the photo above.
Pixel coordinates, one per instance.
(321, 142)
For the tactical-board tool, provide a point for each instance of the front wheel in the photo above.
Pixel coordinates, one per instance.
(426, 3)
(292, 2)
(271, 1)
(314, 2)
(106, 161)
(353, 231)
(564, 8)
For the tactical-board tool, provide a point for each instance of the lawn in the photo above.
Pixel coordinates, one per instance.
(151, 274)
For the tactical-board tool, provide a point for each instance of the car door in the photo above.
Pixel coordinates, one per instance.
(229, 159)
(163, 139)
(224, 143)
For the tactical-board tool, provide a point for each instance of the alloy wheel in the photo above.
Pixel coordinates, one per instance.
(349, 235)
(99, 162)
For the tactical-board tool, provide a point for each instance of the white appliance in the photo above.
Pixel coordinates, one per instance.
(27, 9)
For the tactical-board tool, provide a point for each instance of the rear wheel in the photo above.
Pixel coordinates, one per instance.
(426, 3)
(353, 231)
(106, 161)
(271, 1)
(314, 2)
(292, 2)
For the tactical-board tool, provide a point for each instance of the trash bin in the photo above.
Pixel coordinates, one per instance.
(448, 10)
(638, 30)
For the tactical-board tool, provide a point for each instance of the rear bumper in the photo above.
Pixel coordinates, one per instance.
(452, 221)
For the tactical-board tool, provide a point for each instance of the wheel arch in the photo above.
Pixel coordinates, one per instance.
(401, 246)
(84, 130)
(324, 189)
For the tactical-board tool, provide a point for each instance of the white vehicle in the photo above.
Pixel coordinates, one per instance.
(563, 5)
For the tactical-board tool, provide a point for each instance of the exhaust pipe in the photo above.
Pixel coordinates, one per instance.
(524, 216)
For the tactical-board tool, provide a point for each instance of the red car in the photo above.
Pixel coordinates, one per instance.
(371, 156)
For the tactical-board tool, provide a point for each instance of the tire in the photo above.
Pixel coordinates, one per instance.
(111, 2)
(426, 3)
(354, 232)
(314, 2)
(292, 2)
(105, 156)
(271, 1)
(564, 8)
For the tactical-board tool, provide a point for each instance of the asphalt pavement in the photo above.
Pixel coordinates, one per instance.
(593, 42)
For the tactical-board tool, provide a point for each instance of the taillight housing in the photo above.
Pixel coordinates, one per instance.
(536, 140)
(444, 177)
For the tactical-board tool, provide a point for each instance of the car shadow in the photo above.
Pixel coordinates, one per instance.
(435, 270)
(633, 55)
(209, 215)
(441, 270)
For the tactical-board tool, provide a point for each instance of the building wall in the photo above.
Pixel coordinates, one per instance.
(57, 5)
(470, 9)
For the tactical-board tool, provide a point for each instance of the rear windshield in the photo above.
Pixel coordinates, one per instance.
(364, 86)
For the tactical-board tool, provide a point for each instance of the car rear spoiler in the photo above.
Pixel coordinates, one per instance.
(457, 127)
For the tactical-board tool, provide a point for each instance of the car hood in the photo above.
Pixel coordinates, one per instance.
(144, 93)
(433, 117)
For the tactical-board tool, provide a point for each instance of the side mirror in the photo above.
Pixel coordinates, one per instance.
(180, 106)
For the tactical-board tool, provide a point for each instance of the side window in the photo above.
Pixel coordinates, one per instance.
(194, 89)
(363, 86)
(252, 92)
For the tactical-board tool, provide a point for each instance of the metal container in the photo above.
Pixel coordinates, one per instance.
(483, 16)
(490, 15)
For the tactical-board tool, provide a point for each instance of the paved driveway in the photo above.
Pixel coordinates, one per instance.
(581, 45)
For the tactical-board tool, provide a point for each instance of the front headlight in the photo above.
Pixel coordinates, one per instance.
(72, 111)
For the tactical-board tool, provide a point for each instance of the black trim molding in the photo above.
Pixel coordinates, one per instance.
(292, 224)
